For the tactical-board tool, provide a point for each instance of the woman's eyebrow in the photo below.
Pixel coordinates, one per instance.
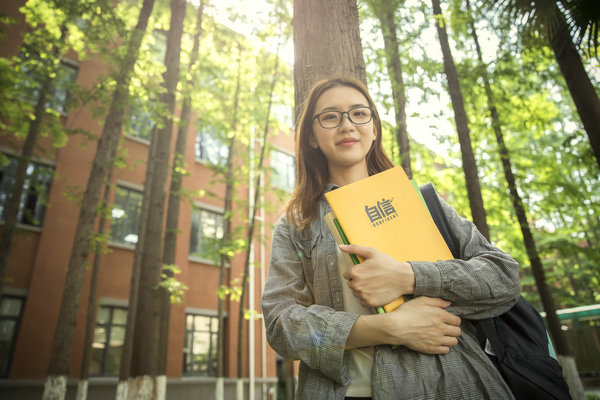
(336, 109)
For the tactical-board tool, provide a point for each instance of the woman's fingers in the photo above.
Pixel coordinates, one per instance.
(361, 251)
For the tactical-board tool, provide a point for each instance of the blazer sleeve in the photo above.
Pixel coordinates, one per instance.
(296, 327)
(483, 283)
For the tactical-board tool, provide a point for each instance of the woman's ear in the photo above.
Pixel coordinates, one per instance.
(374, 133)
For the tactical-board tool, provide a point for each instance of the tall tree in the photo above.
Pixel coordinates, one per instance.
(537, 267)
(385, 13)
(547, 17)
(90, 323)
(55, 386)
(326, 43)
(127, 351)
(177, 173)
(224, 253)
(144, 366)
(255, 204)
(460, 117)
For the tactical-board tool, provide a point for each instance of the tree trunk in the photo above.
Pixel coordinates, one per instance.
(144, 365)
(11, 211)
(126, 354)
(224, 258)
(250, 235)
(460, 117)
(559, 340)
(385, 12)
(578, 82)
(58, 368)
(326, 44)
(90, 323)
(170, 242)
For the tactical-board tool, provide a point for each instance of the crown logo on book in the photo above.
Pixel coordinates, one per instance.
(382, 212)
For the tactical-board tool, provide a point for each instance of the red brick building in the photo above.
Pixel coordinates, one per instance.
(42, 247)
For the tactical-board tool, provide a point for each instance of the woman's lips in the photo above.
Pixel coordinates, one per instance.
(347, 142)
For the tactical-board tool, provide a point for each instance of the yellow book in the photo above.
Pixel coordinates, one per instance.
(385, 211)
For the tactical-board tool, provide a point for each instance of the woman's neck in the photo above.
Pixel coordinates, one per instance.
(345, 176)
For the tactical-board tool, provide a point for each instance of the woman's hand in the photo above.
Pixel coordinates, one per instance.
(379, 279)
(420, 324)
(423, 325)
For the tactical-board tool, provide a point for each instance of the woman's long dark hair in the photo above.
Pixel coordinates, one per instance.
(312, 171)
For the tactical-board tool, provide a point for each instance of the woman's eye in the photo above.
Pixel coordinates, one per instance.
(328, 117)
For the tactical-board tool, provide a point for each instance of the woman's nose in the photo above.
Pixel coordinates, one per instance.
(346, 122)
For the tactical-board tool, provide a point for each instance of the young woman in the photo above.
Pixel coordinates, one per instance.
(319, 312)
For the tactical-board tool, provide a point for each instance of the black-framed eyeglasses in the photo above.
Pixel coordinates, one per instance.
(357, 115)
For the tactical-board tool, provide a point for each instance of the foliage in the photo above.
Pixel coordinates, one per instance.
(555, 169)
(174, 287)
(546, 17)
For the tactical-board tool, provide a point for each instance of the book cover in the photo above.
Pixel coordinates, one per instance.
(340, 238)
(385, 211)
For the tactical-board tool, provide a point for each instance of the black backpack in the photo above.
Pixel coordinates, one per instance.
(518, 337)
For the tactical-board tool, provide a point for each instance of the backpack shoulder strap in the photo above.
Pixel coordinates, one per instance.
(439, 217)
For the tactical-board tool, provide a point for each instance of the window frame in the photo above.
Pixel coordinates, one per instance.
(112, 306)
(35, 81)
(136, 109)
(39, 207)
(211, 133)
(15, 333)
(115, 241)
(199, 207)
(187, 364)
(274, 178)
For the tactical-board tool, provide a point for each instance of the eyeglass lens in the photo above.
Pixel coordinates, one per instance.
(357, 115)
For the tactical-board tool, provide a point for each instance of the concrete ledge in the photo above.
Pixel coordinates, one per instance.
(185, 388)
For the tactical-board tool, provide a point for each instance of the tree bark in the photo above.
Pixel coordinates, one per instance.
(224, 258)
(61, 348)
(385, 12)
(134, 286)
(326, 44)
(462, 128)
(90, 323)
(578, 82)
(144, 365)
(170, 242)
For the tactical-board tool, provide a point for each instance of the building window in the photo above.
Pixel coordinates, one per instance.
(32, 204)
(140, 122)
(35, 71)
(125, 215)
(283, 172)
(210, 148)
(10, 316)
(158, 45)
(109, 337)
(200, 347)
(206, 235)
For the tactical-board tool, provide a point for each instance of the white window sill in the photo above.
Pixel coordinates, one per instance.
(120, 245)
(199, 260)
(138, 139)
(25, 227)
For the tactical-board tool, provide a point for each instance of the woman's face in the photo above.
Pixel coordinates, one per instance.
(346, 145)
